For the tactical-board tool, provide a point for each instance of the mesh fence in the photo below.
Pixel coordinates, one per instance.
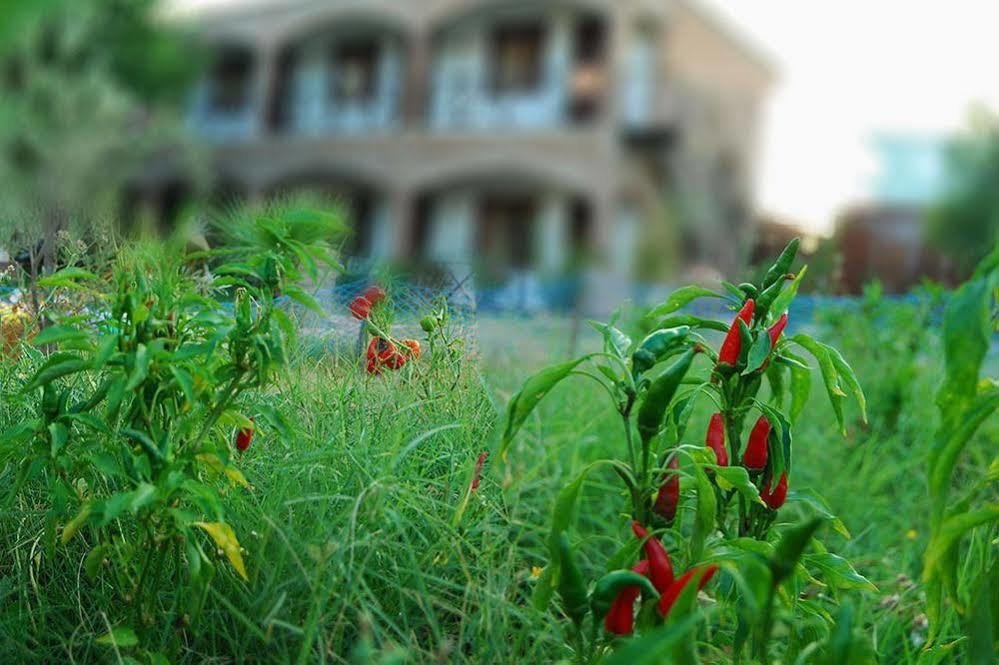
(409, 300)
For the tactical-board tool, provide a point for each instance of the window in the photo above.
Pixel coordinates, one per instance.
(517, 57)
(355, 71)
(230, 81)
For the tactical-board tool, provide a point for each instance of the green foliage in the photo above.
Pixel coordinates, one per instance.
(654, 395)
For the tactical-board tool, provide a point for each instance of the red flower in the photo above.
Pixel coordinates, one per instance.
(775, 498)
(243, 438)
(715, 439)
(732, 346)
(755, 457)
(660, 568)
(374, 293)
(360, 308)
(620, 619)
(669, 596)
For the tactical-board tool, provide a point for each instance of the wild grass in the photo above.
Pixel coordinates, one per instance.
(357, 550)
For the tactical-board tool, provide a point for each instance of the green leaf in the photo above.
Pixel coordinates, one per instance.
(836, 571)
(681, 298)
(790, 548)
(94, 559)
(801, 388)
(737, 478)
(140, 369)
(303, 298)
(758, 353)
(966, 337)
(530, 394)
(829, 374)
(657, 646)
(131, 502)
(820, 506)
(66, 278)
(58, 334)
(52, 370)
(849, 378)
(615, 341)
(184, 380)
(783, 300)
(704, 518)
(120, 636)
(692, 322)
(58, 436)
(952, 529)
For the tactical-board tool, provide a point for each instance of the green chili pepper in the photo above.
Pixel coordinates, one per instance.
(571, 586)
(660, 394)
(767, 299)
(782, 265)
(428, 323)
(657, 346)
(611, 584)
(749, 290)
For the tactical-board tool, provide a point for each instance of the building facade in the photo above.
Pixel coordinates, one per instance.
(517, 135)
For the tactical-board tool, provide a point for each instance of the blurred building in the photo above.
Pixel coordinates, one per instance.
(519, 135)
(883, 238)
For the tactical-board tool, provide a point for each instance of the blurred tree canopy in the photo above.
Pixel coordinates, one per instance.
(90, 92)
(965, 223)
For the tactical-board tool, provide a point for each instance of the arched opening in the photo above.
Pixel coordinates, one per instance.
(345, 77)
(519, 65)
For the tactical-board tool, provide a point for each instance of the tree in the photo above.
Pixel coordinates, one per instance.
(965, 223)
(89, 89)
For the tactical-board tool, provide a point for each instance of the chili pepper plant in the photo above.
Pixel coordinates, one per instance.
(700, 496)
(142, 409)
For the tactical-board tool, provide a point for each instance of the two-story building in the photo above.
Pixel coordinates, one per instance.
(513, 134)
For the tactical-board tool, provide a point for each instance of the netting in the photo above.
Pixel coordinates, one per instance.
(409, 300)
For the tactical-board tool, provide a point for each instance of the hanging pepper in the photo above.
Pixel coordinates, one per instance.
(669, 597)
(374, 293)
(620, 619)
(660, 568)
(668, 498)
(660, 394)
(775, 498)
(243, 438)
(360, 308)
(571, 586)
(656, 346)
(755, 457)
(715, 439)
(732, 346)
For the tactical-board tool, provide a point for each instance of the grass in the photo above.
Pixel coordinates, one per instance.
(357, 552)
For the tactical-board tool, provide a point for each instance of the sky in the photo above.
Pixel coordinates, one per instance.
(847, 71)
(850, 69)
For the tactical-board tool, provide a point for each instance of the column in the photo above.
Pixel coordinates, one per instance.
(551, 235)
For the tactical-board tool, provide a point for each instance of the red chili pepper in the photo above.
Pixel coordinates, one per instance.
(669, 596)
(478, 469)
(755, 457)
(775, 332)
(668, 498)
(395, 360)
(374, 293)
(620, 619)
(732, 346)
(360, 308)
(660, 568)
(243, 438)
(715, 439)
(413, 346)
(775, 498)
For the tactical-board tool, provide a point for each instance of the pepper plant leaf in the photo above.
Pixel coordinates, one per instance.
(681, 298)
(225, 539)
